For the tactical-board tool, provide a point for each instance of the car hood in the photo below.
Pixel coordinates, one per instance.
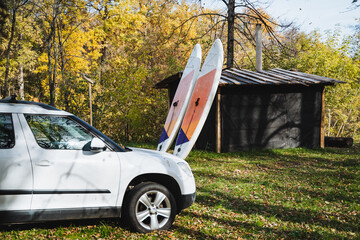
(156, 154)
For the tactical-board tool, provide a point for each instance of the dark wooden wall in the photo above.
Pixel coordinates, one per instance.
(265, 117)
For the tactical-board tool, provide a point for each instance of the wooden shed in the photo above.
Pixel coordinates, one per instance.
(265, 109)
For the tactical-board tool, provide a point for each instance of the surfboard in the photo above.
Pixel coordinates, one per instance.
(201, 100)
(180, 100)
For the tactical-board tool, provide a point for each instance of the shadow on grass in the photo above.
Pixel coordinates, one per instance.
(212, 176)
(333, 175)
(249, 228)
(280, 212)
(112, 222)
(332, 183)
(325, 195)
(338, 151)
(191, 232)
(280, 154)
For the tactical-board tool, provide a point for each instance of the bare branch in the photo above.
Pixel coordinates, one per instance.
(209, 30)
(192, 18)
(227, 4)
(242, 47)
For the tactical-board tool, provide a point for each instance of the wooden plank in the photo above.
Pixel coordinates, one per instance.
(244, 76)
(218, 122)
(169, 97)
(291, 74)
(339, 142)
(317, 77)
(239, 79)
(286, 79)
(251, 77)
(261, 76)
(224, 83)
(322, 124)
(307, 76)
(229, 80)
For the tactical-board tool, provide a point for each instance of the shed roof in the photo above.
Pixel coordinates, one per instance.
(276, 76)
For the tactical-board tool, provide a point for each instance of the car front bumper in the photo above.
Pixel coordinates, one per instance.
(187, 200)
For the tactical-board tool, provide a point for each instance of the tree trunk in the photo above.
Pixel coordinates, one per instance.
(230, 40)
(21, 74)
(56, 55)
(49, 49)
(5, 90)
(21, 82)
(64, 82)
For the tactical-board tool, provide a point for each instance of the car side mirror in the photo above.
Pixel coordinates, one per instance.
(96, 145)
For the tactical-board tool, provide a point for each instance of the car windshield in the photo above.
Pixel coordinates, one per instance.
(56, 132)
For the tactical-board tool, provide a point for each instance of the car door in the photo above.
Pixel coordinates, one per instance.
(16, 183)
(67, 174)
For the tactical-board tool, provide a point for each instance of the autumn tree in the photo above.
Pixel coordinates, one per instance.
(3, 16)
(138, 54)
(23, 54)
(13, 6)
(355, 42)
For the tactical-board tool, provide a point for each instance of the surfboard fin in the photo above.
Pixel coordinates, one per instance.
(197, 102)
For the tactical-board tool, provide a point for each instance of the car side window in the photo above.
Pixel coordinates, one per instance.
(58, 132)
(7, 136)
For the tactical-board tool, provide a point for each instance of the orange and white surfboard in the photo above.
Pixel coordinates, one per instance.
(181, 100)
(201, 100)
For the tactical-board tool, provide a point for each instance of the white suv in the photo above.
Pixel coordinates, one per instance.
(55, 166)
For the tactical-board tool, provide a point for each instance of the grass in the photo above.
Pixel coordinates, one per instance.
(270, 194)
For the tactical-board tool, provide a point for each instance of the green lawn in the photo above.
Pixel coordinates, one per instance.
(272, 194)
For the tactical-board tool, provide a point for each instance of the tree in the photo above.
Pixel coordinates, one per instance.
(240, 18)
(23, 54)
(355, 42)
(14, 6)
(138, 54)
(3, 16)
(64, 27)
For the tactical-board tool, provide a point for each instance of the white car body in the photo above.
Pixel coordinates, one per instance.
(39, 183)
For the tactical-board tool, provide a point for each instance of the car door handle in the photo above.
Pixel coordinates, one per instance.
(44, 163)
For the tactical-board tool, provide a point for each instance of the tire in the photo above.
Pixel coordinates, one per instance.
(150, 206)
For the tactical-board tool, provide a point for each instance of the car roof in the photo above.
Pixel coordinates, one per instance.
(11, 105)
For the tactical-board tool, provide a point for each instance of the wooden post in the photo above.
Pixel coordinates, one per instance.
(169, 97)
(218, 122)
(322, 124)
(90, 99)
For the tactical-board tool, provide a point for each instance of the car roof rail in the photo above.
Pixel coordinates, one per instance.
(12, 99)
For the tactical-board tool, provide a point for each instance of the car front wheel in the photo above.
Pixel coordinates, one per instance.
(150, 206)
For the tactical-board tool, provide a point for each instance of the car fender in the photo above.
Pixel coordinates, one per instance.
(142, 162)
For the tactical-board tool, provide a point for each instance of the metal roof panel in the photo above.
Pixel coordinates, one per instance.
(275, 76)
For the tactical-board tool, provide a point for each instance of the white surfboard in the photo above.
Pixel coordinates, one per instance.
(201, 100)
(181, 100)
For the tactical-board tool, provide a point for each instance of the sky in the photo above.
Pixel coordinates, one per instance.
(321, 15)
(309, 15)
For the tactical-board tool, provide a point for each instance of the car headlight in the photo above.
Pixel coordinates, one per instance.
(186, 168)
